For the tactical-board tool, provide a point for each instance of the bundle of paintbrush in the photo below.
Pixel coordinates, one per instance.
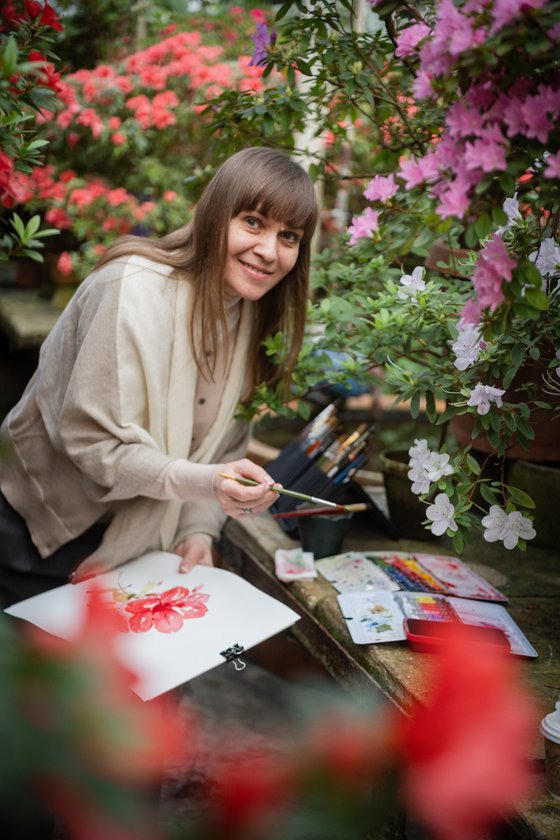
(320, 464)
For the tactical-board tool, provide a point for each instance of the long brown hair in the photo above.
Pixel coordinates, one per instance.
(254, 178)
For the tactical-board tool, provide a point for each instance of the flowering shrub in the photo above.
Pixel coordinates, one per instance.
(28, 83)
(131, 134)
(96, 213)
(459, 102)
(82, 741)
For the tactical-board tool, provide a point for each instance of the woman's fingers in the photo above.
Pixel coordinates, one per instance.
(243, 488)
(194, 551)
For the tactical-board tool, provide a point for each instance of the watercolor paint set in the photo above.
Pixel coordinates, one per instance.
(421, 618)
(435, 573)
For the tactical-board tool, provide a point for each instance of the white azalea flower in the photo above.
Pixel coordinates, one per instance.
(420, 479)
(517, 527)
(507, 527)
(511, 209)
(483, 395)
(494, 522)
(419, 452)
(467, 345)
(547, 257)
(438, 465)
(441, 515)
(412, 283)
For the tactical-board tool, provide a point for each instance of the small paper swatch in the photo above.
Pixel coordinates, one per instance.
(294, 564)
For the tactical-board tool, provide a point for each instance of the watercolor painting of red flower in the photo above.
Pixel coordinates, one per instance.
(166, 611)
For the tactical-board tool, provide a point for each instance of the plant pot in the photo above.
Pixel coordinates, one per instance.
(445, 260)
(542, 483)
(545, 446)
(406, 511)
(324, 535)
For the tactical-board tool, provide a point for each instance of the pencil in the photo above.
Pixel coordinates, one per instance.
(248, 482)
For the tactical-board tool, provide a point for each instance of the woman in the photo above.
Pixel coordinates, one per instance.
(122, 433)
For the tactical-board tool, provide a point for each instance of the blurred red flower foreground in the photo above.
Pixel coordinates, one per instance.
(458, 763)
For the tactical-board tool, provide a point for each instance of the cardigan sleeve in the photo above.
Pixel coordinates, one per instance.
(199, 517)
(80, 396)
(104, 391)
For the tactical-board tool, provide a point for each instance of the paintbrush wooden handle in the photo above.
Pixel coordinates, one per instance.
(294, 494)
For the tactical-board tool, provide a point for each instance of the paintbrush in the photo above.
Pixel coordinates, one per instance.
(320, 511)
(248, 482)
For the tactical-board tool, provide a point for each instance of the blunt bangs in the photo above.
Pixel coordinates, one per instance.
(263, 179)
(290, 199)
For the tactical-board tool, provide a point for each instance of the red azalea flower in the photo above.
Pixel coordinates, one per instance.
(166, 611)
(349, 749)
(48, 76)
(32, 9)
(251, 791)
(49, 18)
(464, 751)
(119, 743)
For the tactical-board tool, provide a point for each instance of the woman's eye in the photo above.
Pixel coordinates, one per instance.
(291, 236)
(252, 221)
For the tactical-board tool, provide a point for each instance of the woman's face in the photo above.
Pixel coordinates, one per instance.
(261, 251)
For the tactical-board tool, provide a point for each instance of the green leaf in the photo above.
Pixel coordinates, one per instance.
(520, 497)
(487, 494)
(9, 58)
(33, 225)
(431, 411)
(483, 226)
(537, 298)
(18, 226)
(524, 428)
(499, 216)
(458, 541)
(283, 10)
(473, 464)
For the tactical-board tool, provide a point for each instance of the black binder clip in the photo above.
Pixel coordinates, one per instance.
(231, 654)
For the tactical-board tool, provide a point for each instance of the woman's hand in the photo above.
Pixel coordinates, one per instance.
(239, 499)
(195, 550)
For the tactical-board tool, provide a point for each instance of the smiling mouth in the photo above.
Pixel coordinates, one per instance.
(256, 269)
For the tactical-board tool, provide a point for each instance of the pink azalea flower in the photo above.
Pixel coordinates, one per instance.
(422, 87)
(363, 225)
(381, 188)
(536, 119)
(409, 39)
(494, 266)
(454, 201)
(462, 120)
(485, 155)
(505, 11)
(481, 96)
(471, 312)
(552, 169)
(410, 170)
(513, 116)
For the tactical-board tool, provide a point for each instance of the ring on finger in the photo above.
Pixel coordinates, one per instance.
(246, 510)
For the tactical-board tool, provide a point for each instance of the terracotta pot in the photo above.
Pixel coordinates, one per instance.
(440, 252)
(546, 444)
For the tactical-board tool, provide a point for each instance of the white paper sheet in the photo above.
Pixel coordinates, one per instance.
(236, 613)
